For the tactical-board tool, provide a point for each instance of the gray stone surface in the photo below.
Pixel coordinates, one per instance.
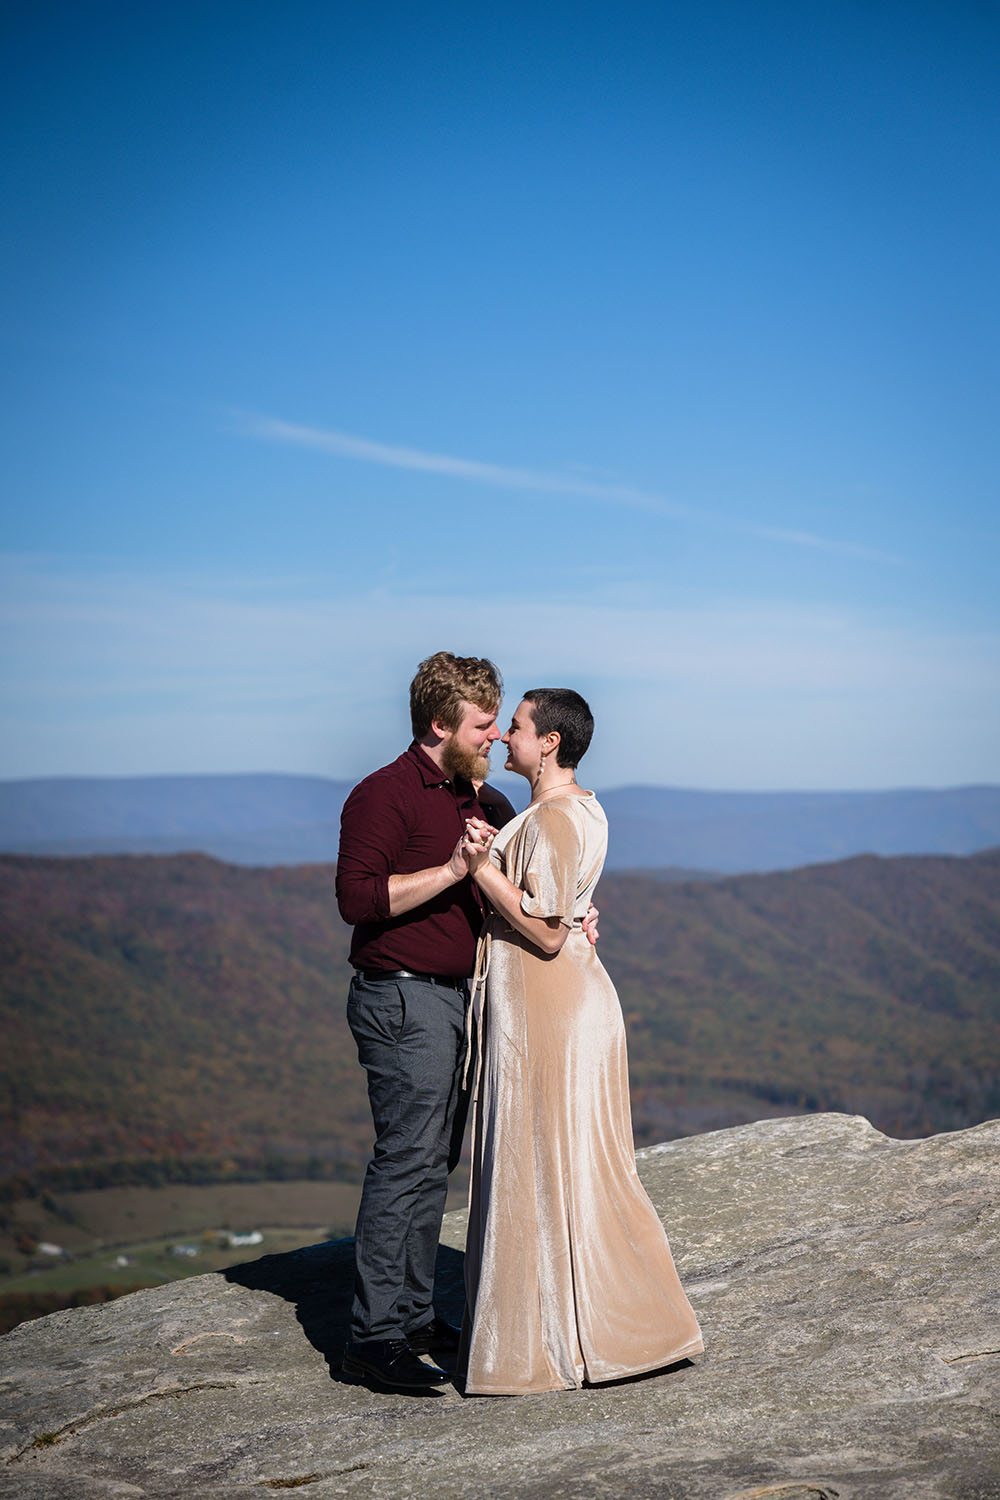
(847, 1285)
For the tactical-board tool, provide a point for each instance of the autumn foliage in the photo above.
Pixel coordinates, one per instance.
(176, 1018)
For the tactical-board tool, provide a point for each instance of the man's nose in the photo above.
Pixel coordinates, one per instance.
(494, 733)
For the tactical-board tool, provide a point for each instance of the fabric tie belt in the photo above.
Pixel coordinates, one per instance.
(474, 1014)
(372, 976)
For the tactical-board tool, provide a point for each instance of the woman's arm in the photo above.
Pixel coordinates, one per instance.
(547, 933)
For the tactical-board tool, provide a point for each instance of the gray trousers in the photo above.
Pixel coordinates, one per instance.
(411, 1043)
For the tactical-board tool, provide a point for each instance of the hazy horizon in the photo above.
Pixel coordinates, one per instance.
(506, 781)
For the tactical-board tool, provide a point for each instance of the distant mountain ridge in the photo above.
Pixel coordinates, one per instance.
(259, 818)
(276, 819)
(734, 832)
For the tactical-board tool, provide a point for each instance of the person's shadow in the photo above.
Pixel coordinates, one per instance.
(319, 1282)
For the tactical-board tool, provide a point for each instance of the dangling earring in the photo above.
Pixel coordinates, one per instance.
(541, 765)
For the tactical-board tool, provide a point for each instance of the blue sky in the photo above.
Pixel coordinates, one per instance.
(651, 350)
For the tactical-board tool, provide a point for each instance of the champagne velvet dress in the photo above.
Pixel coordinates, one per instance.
(568, 1274)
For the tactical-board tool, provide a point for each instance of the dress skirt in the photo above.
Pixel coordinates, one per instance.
(569, 1276)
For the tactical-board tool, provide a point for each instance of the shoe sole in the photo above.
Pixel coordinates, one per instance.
(359, 1372)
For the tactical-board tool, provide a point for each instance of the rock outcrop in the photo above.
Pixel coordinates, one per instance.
(848, 1286)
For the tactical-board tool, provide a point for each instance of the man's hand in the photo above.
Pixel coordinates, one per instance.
(458, 865)
(476, 845)
(589, 924)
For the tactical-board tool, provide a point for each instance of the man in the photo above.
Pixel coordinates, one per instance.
(403, 884)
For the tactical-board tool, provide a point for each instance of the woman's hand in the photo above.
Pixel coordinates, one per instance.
(589, 924)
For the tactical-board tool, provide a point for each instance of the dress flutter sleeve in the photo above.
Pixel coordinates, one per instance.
(550, 870)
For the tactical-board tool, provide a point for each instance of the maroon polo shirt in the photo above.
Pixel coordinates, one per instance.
(408, 816)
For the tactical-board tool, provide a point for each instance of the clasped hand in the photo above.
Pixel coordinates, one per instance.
(473, 849)
(472, 852)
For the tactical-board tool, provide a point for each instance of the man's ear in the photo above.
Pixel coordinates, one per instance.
(441, 730)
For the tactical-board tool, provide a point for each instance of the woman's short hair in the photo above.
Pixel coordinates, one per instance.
(443, 682)
(562, 711)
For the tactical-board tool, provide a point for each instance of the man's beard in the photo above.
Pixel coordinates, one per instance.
(459, 762)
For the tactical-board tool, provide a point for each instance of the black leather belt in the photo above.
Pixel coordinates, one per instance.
(372, 976)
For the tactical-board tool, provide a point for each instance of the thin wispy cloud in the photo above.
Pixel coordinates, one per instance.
(390, 455)
(822, 543)
(502, 476)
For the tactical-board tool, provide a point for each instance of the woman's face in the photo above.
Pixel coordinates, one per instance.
(524, 747)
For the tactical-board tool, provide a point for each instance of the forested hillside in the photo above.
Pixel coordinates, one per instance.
(871, 986)
(180, 1015)
(175, 1007)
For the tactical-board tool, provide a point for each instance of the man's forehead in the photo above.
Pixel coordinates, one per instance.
(477, 711)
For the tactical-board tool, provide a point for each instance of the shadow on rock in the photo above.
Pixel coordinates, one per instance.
(319, 1282)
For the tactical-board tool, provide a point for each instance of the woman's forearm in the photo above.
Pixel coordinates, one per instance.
(547, 933)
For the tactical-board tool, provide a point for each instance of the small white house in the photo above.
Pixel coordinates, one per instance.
(237, 1239)
(45, 1247)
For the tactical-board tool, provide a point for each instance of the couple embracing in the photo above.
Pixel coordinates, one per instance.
(569, 1277)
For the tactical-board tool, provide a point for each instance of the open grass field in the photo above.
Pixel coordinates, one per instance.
(116, 1218)
(151, 1262)
(125, 1237)
(139, 1226)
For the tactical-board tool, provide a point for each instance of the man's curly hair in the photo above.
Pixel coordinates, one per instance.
(443, 682)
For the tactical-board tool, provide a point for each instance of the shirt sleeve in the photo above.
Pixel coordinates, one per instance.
(551, 867)
(373, 834)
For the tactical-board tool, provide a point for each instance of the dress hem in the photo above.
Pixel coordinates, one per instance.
(694, 1346)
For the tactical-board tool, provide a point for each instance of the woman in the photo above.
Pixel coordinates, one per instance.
(568, 1272)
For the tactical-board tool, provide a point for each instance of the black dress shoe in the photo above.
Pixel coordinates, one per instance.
(392, 1363)
(436, 1337)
